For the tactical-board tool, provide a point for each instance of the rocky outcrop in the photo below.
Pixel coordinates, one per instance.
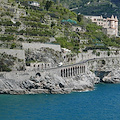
(46, 83)
(113, 76)
(45, 55)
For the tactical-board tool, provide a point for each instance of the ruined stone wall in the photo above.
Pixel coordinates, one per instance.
(16, 53)
(40, 45)
(103, 64)
(90, 55)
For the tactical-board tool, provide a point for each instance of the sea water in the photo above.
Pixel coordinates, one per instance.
(101, 104)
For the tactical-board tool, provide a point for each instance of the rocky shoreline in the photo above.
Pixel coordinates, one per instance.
(29, 83)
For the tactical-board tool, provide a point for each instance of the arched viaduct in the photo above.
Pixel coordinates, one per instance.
(96, 64)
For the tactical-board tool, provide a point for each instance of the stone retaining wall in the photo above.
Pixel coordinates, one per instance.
(16, 53)
(40, 45)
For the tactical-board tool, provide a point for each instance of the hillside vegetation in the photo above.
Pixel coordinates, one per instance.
(21, 22)
(93, 7)
(49, 22)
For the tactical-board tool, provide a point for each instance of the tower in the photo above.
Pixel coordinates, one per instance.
(112, 22)
(116, 25)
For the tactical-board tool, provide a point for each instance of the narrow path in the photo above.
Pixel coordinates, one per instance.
(79, 63)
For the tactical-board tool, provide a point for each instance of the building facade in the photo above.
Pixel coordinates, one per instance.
(110, 25)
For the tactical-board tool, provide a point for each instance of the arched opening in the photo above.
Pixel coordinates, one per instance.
(71, 71)
(76, 70)
(66, 72)
(61, 73)
(33, 65)
(84, 69)
(80, 69)
(38, 74)
(103, 62)
(45, 66)
(42, 66)
(48, 66)
(38, 67)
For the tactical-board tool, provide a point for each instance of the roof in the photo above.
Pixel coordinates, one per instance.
(70, 21)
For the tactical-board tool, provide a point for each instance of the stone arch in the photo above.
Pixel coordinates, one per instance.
(61, 73)
(103, 62)
(71, 72)
(48, 65)
(42, 66)
(75, 70)
(45, 66)
(78, 70)
(64, 72)
(38, 74)
(82, 69)
(38, 67)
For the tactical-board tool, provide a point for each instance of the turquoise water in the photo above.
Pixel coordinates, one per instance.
(101, 104)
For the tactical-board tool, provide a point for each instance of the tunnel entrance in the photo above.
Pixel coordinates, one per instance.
(101, 74)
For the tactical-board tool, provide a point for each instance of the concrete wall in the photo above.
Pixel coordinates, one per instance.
(16, 53)
(40, 45)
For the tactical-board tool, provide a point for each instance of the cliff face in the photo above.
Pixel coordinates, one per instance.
(113, 76)
(45, 55)
(28, 83)
(32, 83)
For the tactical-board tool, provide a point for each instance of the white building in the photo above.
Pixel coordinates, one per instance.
(110, 25)
(33, 3)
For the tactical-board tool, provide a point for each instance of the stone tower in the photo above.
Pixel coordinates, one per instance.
(112, 22)
(116, 25)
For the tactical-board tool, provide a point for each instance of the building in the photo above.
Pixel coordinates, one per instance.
(33, 3)
(110, 25)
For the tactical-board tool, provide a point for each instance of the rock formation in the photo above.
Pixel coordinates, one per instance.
(24, 83)
(113, 76)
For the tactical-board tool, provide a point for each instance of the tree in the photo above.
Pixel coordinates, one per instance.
(48, 5)
(18, 23)
(79, 17)
(52, 24)
(13, 45)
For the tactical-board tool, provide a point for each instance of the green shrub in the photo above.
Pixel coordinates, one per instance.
(13, 45)
(7, 38)
(98, 54)
(108, 53)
